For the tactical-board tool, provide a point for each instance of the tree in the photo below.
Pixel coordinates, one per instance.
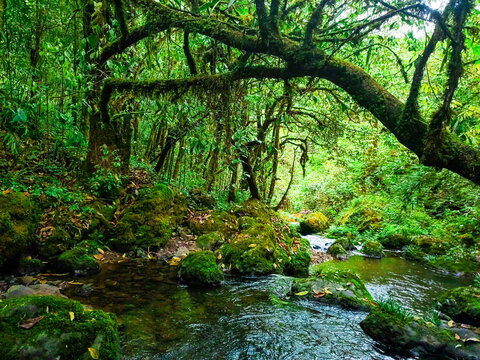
(289, 40)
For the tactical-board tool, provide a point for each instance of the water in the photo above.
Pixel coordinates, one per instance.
(242, 319)
(319, 242)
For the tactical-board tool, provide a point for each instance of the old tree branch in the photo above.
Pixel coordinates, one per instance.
(410, 128)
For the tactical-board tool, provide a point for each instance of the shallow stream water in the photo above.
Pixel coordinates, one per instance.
(243, 319)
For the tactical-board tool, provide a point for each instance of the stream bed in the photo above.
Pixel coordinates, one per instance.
(160, 319)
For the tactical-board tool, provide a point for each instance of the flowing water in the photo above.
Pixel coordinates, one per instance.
(244, 319)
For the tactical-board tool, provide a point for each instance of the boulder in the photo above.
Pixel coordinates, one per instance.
(462, 304)
(49, 327)
(200, 268)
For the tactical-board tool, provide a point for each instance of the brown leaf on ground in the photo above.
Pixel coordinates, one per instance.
(27, 324)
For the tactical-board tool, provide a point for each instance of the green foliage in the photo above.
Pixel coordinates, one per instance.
(393, 307)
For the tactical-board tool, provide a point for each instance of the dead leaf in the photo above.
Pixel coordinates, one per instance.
(27, 324)
(457, 337)
(472, 340)
(101, 251)
(72, 315)
(451, 323)
(174, 261)
(302, 293)
(220, 257)
(318, 294)
(252, 245)
(93, 353)
(98, 256)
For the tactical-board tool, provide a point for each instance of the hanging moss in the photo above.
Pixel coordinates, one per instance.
(56, 335)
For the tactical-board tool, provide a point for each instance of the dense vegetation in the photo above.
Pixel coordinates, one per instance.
(126, 124)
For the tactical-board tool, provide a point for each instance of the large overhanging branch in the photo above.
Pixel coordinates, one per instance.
(411, 131)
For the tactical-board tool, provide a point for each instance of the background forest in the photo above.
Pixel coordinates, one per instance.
(159, 159)
(297, 144)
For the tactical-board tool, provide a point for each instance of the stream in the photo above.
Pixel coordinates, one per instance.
(160, 319)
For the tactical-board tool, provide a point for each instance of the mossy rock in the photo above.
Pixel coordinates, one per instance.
(346, 242)
(462, 305)
(431, 245)
(77, 261)
(58, 242)
(221, 221)
(364, 213)
(373, 248)
(456, 263)
(395, 237)
(56, 335)
(340, 287)
(253, 251)
(200, 268)
(150, 221)
(200, 200)
(314, 223)
(336, 249)
(298, 264)
(18, 223)
(244, 222)
(29, 266)
(404, 334)
(255, 209)
(414, 252)
(210, 241)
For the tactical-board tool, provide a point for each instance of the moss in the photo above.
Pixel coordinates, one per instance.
(210, 241)
(431, 245)
(253, 251)
(78, 261)
(200, 268)
(255, 209)
(335, 286)
(314, 223)
(18, 222)
(244, 222)
(298, 264)
(395, 237)
(221, 221)
(364, 213)
(150, 221)
(373, 248)
(456, 263)
(29, 266)
(346, 243)
(336, 249)
(53, 245)
(462, 304)
(405, 333)
(56, 336)
(413, 252)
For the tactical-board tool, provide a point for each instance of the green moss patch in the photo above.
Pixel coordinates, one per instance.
(55, 335)
(342, 287)
(18, 222)
(77, 261)
(150, 221)
(462, 304)
(373, 248)
(200, 268)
